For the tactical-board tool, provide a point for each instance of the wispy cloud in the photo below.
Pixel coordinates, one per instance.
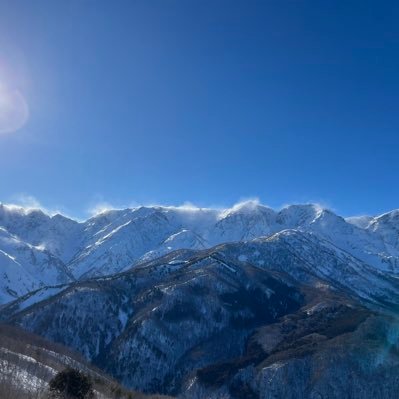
(28, 203)
(103, 206)
(100, 207)
(320, 204)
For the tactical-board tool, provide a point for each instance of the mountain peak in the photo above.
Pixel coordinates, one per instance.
(246, 207)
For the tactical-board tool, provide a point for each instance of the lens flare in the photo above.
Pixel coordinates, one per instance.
(14, 110)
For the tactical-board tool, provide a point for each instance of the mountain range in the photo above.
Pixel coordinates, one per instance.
(246, 302)
(38, 250)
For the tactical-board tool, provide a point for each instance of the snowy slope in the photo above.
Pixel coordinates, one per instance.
(25, 267)
(115, 240)
(310, 259)
(387, 227)
(154, 325)
(58, 234)
(28, 363)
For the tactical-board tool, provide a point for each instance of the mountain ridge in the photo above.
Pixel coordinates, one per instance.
(195, 323)
(210, 304)
(114, 240)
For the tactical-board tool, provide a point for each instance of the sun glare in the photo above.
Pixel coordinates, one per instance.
(14, 110)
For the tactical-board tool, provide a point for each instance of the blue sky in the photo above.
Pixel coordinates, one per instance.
(203, 101)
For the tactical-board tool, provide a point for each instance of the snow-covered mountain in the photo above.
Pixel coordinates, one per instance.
(59, 235)
(197, 323)
(37, 249)
(206, 303)
(25, 267)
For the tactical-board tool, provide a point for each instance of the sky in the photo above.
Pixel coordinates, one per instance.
(208, 102)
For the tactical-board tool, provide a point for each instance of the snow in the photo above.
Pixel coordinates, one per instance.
(39, 295)
(19, 374)
(21, 377)
(225, 265)
(177, 262)
(38, 250)
(123, 318)
(360, 221)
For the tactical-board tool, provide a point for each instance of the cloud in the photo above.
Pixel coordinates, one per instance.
(104, 206)
(251, 202)
(101, 207)
(318, 204)
(27, 203)
(187, 206)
